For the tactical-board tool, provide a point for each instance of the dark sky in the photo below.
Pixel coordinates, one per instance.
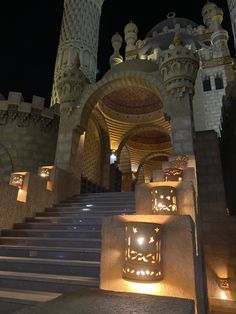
(29, 32)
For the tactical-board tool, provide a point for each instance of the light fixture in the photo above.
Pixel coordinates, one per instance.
(17, 179)
(164, 200)
(173, 174)
(20, 180)
(142, 260)
(47, 173)
(113, 157)
(224, 283)
(180, 162)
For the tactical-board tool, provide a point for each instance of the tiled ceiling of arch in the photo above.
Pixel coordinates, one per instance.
(132, 100)
(150, 137)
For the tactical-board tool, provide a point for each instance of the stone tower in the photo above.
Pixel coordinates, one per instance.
(215, 71)
(232, 10)
(78, 40)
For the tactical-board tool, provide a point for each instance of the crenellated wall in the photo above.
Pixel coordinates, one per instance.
(28, 134)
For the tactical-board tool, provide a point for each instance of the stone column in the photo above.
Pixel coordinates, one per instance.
(179, 66)
(78, 40)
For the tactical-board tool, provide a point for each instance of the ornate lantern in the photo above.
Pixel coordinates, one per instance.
(180, 162)
(173, 174)
(17, 179)
(142, 252)
(164, 200)
(45, 171)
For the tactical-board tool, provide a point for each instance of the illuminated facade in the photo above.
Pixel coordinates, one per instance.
(150, 125)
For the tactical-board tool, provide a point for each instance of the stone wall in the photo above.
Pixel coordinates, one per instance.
(91, 165)
(38, 198)
(218, 228)
(28, 134)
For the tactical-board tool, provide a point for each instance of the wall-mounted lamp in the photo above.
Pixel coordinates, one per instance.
(180, 162)
(113, 157)
(20, 181)
(47, 172)
(173, 174)
(224, 283)
(17, 179)
(164, 200)
(142, 252)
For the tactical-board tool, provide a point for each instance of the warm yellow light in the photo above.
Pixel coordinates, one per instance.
(223, 295)
(140, 240)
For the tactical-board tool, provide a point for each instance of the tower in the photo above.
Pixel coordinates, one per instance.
(215, 70)
(232, 10)
(78, 41)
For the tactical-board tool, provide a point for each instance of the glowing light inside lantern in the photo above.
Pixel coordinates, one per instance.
(143, 252)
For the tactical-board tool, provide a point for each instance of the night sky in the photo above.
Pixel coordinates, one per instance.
(29, 32)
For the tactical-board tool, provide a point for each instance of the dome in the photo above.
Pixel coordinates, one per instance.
(208, 7)
(131, 28)
(117, 38)
(170, 23)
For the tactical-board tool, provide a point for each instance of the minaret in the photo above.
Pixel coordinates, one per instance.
(78, 40)
(116, 57)
(131, 36)
(232, 10)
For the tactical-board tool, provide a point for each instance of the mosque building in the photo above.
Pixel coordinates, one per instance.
(136, 152)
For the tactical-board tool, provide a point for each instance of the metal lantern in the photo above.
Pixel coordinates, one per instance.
(45, 171)
(142, 252)
(164, 200)
(17, 180)
(173, 174)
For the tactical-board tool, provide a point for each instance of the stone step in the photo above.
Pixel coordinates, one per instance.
(81, 214)
(45, 282)
(50, 226)
(91, 254)
(106, 196)
(72, 220)
(12, 300)
(52, 233)
(27, 297)
(107, 203)
(50, 266)
(61, 242)
(98, 207)
(95, 210)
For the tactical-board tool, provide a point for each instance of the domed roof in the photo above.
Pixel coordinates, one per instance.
(208, 6)
(170, 22)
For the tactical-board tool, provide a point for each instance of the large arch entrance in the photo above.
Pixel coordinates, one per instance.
(132, 109)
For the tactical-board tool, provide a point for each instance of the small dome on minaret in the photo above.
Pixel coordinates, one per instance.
(116, 41)
(212, 16)
(131, 28)
(116, 57)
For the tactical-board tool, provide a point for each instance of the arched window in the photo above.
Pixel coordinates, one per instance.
(206, 84)
(219, 82)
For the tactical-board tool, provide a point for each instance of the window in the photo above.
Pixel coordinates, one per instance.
(206, 84)
(219, 82)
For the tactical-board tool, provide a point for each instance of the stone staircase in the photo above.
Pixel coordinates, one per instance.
(56, 251)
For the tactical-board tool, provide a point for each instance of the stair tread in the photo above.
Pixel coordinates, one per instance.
(49, 223)
(52, 231)
(48, 261)
(59, 239)
(45, 277)
(48, 248)
(27, 295)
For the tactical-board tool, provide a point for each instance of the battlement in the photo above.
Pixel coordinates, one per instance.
(15, 108)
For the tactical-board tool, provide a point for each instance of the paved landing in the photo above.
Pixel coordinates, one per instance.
(89, 301)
